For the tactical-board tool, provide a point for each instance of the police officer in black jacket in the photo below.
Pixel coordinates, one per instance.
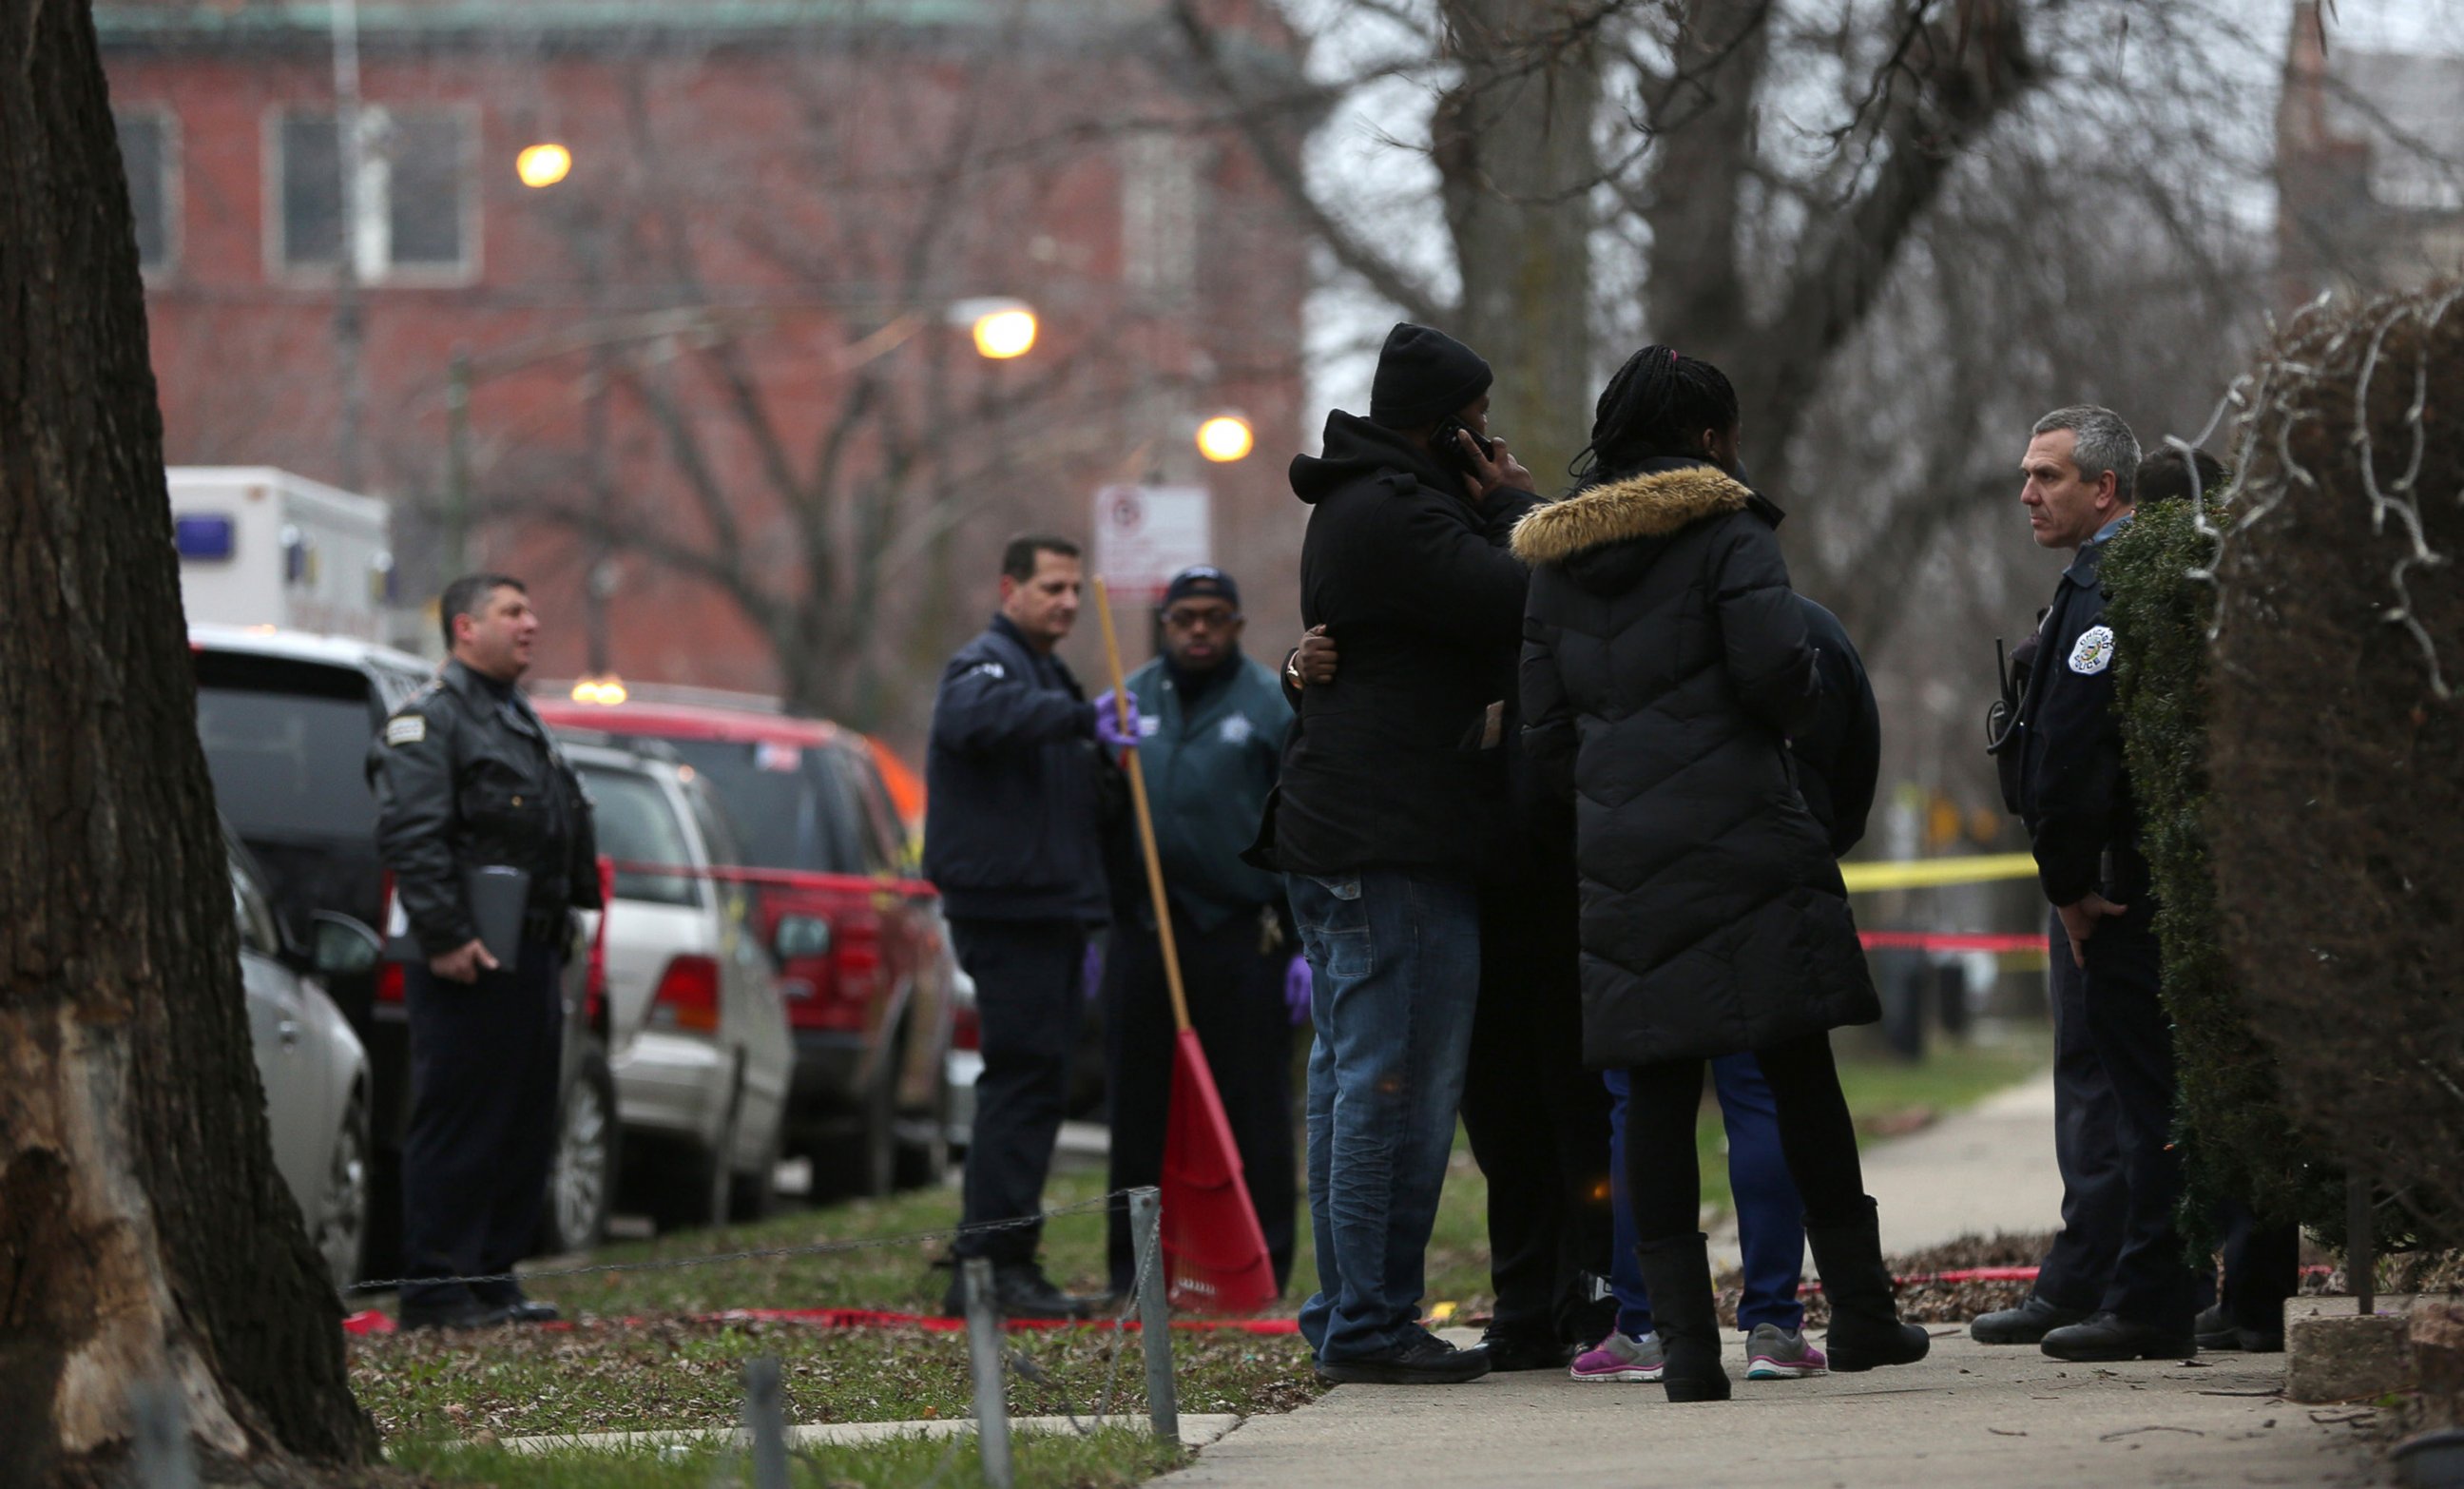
(2116, 1286)
(1013, 839)
(466, 777)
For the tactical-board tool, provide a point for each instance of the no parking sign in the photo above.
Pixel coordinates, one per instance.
(1144, 535)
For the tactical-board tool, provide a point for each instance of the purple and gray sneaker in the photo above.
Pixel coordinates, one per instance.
(1774, 1354)
(1619, 1357)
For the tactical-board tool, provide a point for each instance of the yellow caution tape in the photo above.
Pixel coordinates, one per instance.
(1925, 872)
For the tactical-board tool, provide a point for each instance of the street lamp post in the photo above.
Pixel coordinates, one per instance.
(458, 461)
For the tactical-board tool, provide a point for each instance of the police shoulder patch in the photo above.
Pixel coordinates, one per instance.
(406, 729)
(2094, 651)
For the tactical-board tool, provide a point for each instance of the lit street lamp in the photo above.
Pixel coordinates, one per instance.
(1003, 328)
(544, 164)
(1226, 437)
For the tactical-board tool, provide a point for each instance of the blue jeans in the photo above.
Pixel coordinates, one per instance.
(1395, 956)
(1771, 1218)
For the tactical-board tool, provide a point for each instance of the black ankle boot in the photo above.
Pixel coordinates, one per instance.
(1865, 1327)
(1678, 1271)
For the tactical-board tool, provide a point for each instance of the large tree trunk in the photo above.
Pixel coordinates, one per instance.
(1514, 149)
(143, 1230)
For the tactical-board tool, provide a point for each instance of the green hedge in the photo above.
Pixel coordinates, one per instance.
(2238, 1137)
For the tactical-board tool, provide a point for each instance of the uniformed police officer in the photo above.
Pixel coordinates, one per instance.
(1014, 807)
(466, 777)
(2116, 1286)
(1211, 743)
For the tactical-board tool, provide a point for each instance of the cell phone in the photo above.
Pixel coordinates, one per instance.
(1450, 450)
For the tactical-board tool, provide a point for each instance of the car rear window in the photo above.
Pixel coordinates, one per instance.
(790, 809)
(638, 825)
(286, 744)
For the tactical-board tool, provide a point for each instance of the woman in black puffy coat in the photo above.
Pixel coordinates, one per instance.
(1665, 663)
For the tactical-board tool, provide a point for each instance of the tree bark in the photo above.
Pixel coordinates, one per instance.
(144, 1230)
(1514, 149)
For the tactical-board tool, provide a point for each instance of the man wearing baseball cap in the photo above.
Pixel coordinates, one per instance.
(1211, 730)
(1394, 795)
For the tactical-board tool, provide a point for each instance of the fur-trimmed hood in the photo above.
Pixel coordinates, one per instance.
(1653, 504)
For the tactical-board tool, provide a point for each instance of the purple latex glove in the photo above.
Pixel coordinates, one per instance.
(1296, 990)
(1107, 720)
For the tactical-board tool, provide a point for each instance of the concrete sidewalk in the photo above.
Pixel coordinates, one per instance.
(1968, 1415)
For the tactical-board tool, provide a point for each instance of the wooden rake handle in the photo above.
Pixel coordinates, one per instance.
(1146, 818)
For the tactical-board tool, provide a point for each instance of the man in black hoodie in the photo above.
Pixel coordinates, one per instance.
(1393, 794)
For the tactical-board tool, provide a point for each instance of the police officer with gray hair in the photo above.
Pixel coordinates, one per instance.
(475, 804)
(2115, 1285)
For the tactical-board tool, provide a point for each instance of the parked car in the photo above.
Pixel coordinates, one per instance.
(314, 1069)
(286, 720)
(864, 954)
(701, 1051)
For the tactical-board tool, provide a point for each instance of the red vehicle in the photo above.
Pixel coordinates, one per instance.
(864, 956)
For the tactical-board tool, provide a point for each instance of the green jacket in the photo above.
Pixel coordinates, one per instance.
(1208, 774)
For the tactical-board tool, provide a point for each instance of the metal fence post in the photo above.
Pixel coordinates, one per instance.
(765, 1422)
(1155, 1313)
(2361, 1244)
(984, 1355)
(163, 1457)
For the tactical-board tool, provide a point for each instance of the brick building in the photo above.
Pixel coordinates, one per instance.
(2369, 167)
(720, 405)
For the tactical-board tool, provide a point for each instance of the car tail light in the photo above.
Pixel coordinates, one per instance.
(966, 1030)
(688, 995)
(594, 984)
(837, 990)
(388, 973)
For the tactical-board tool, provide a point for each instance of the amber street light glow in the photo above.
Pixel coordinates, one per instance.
(544, 164)
(1226, 437)
(1004, 334)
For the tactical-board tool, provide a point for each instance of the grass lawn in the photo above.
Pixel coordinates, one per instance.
(666, 1370)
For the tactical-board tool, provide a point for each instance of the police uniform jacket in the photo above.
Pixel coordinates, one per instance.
(1014, 798)
(1209, 762)
(2074, 795)
(466, 774)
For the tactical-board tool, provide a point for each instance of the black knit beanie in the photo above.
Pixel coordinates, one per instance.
(1424, 376)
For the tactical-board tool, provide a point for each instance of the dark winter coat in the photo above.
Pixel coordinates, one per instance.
(1401, 760)
(1664, 663)
(1013, 815)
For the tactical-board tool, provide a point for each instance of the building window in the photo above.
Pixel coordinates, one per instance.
(416, 213)
(149, 151)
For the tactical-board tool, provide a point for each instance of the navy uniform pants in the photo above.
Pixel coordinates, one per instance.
(1235, 987)
(2122, 1174)
(484, 1062)
(1029, 993)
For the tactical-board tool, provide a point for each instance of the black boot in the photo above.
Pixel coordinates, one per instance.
(1865, 1327)
(1678, 1271)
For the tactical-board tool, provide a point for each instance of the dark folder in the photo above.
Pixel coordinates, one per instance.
(497, 896)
